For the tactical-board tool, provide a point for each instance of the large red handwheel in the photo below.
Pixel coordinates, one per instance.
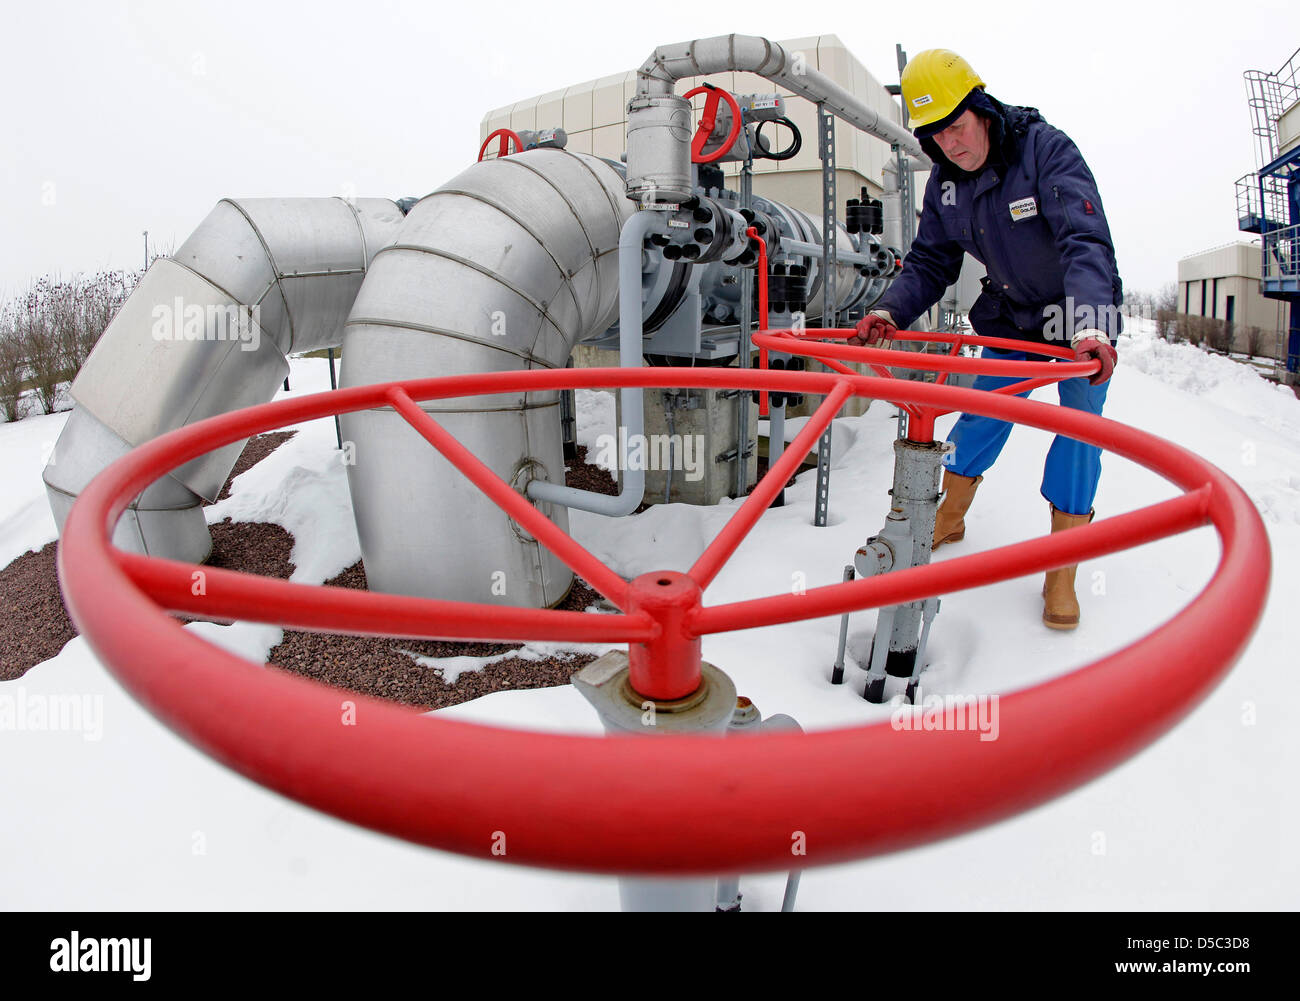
(709, 119)
(666, 805)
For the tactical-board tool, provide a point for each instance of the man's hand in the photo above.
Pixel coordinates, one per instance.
(876, 326)
(1097, 348)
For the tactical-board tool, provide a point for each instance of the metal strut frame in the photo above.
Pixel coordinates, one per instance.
(688, 805)
(826, 146)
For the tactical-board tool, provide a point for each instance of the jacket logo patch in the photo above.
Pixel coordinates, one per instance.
(949, 193)
(1087, 208)
(1024, 208)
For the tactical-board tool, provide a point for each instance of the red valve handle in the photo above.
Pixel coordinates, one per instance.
(505, 135)
(810, 342)
(708, 119)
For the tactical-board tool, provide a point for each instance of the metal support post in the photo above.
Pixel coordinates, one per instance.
(837, 670)
(826, 146)
(334, 384)
(918, 469)
(744, 346)
(930, 608)
(606, 683)
(776, 443)
(904, 542)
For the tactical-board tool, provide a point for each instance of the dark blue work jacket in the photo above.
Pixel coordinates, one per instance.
(1032, 216)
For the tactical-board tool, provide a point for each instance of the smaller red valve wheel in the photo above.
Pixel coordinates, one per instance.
(506, 136)
(709, 119)
(819, 344)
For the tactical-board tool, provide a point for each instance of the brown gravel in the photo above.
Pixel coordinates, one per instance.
(376, 665)
(255, 451)
(35, 625)
(589, 477)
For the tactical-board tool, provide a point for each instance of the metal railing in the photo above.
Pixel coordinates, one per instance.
(1270, 94)
(1282, 253)
(1261, 201)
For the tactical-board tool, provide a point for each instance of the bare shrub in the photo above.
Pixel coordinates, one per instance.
(13, 367)
(1190, 329)
(1254, 341)
(52, 328)
(34, 323)
(1218, 335)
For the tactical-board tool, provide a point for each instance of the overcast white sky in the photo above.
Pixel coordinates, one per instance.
(126, 115)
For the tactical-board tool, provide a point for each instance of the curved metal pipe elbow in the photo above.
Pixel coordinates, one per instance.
(768, 59)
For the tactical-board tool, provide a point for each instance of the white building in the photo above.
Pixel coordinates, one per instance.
(1223, 283)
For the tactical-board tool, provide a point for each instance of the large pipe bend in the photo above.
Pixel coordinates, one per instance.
(169, 357)
(506, 266)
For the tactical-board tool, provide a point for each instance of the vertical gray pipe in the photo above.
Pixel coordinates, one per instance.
(631, 400)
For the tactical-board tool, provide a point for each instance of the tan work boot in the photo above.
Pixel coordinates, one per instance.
(950, 519)
(1060, 606)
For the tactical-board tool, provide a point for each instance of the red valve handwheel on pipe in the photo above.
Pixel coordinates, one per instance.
(505, 135)
(708, 119)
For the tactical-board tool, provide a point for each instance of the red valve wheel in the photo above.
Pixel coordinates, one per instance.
(506, 136)
(708, 119)
(1032, 374)
(664, 805)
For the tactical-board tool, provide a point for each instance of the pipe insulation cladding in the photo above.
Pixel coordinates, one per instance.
(507, 266)
(205, 332)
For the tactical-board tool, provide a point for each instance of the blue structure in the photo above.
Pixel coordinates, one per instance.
(1268, 201)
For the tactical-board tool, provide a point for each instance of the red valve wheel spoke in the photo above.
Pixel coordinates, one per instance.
(228, 596)
(953, 352)
(1020, 559)
(739, 524)
(549, 534)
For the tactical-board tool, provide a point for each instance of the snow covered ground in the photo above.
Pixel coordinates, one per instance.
(123, 814)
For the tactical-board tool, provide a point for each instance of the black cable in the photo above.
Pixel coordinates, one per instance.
(789, 153)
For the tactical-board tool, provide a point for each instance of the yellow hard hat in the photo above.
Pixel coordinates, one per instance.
(935, 82)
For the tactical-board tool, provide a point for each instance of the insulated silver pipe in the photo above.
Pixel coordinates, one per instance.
(507, 266)
(752, 54)
(205, 332)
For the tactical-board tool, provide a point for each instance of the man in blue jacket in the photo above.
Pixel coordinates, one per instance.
(1016, 194)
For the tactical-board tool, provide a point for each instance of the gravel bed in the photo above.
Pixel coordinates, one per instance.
(377, 665)
(35, 624)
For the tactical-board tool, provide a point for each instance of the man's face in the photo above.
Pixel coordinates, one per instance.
(966, 141)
